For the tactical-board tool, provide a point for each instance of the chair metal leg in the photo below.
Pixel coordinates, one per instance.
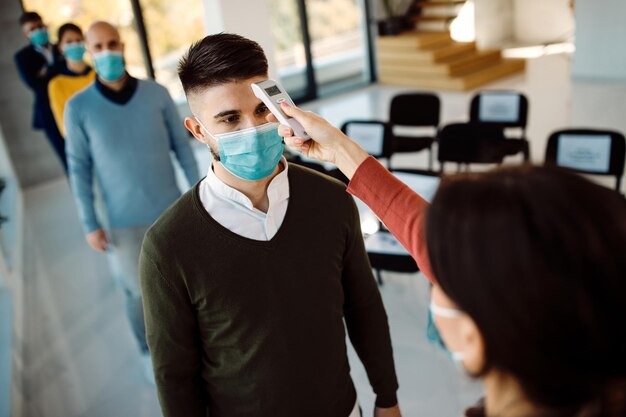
(430, 158)
(527, 152)
(379, 278)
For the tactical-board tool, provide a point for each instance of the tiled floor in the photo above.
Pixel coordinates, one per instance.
(81, 357)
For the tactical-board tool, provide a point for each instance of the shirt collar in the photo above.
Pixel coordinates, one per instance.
(46, 51)
(120, 97)
(277, 190)
(67, 71)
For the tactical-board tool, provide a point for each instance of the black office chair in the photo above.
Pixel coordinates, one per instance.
(503, 109)
(374, 136)
(588, 151)
(414, 110)
(384, 251)
(469, 143)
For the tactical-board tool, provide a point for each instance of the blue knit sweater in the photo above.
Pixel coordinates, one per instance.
(127, 147)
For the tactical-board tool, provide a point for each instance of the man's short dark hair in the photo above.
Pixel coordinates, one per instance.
(27, 17)
(219, 59)
(68, 27)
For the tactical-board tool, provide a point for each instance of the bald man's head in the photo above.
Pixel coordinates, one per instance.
(103, 36)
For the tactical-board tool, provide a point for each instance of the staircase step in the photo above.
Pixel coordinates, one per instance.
(453, 66)
(437, 9)
(471, 62)
(413, 40)
(438, 3)
(468, 81)
(430, 54)
(433, 26)
(434, 18)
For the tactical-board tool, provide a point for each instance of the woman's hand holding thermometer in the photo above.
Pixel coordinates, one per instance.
(327, 143)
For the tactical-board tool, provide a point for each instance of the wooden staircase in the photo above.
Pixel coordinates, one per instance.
(434, 15)
(431, 59)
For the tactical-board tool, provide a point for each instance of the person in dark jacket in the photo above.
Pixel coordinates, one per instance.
(36, 64)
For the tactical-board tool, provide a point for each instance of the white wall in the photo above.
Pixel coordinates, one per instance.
(525, 22)
(600, 40)
(244, 17)
(542, 21)
(494, 22)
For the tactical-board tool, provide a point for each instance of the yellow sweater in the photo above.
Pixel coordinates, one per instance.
(62, 88)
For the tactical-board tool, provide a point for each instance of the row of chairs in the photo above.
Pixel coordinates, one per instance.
(587, 151)
(486, 138)
(492, 115)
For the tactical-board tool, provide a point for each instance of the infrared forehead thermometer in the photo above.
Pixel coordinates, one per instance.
(272, 94)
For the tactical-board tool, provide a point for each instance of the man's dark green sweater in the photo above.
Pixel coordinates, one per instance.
(246, 328)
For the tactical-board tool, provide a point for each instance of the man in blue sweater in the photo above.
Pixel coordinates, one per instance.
(121, 130)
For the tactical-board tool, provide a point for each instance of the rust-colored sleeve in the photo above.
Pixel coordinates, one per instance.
(401, 209)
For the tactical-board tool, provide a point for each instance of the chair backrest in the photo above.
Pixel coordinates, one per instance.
(500, 108)
(470, 143)
(589, 151)
(374, 136)
(415, 109)
(424, 183)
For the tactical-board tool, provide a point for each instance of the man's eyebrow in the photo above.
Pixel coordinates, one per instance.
(226, 113)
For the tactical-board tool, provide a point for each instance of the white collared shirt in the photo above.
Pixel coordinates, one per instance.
(233, 210)
(46, 51)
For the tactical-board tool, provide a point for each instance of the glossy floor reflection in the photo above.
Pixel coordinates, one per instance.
(81, 358)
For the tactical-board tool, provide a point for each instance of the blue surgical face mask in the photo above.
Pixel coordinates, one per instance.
(250, 154)
(109, 65)
(74, 51)
(433, 334)
(39, 37)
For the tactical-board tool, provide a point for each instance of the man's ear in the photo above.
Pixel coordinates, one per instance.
(194, 127)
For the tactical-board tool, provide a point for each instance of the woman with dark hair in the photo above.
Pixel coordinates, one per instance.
(76, 74)
(529, 273)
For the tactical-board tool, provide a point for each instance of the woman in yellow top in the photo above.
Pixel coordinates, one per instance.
(74, 77)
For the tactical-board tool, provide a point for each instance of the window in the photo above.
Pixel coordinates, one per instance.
(338, 43)
(172, 27)
(289, 47)
(85, 12)
(321, 45)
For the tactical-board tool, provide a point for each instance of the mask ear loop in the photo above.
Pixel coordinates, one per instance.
(216, 157)
(449, 313)
(205, 129)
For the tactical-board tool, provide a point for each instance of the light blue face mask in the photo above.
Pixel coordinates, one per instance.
(110, 65)
(39, 37)
(74, 51)
(433, 334)
(250, 154)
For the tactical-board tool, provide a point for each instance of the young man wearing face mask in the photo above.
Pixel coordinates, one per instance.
(240, 322)
(121, 130)
(36, 64)
(75, 76)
